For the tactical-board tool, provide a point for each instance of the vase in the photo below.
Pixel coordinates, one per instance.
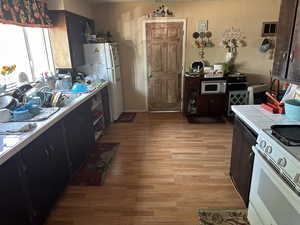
(229, 57)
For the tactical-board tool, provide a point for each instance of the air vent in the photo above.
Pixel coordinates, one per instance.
(269, 29)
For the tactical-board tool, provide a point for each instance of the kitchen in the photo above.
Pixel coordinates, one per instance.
(162, 169)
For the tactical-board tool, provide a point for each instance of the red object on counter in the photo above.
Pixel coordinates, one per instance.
(275, 107)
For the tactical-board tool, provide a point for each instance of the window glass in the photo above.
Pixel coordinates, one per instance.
(28, 48)
(13, 50)
(38, 50)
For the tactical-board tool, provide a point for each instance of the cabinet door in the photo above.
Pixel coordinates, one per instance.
(217, 105)
(76, 28)
(294, 67)
(211, 105)
(80, 135)
(242, 159)
(36, 159)
(203, 105)
(60, 166)
(106, 107)
(13, 203)
(284, 38)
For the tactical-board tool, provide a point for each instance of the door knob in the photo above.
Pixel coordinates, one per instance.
(150, 75)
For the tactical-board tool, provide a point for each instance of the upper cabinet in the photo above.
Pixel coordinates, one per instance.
(287, 55)
(284, 38)
(67, 38)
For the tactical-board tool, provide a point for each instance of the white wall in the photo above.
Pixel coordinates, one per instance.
(55, 5)
(125, 22)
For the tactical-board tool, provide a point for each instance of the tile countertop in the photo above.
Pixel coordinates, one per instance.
(258, 118)
(12, 144)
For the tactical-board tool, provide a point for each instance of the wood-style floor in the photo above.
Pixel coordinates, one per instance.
(166, 169)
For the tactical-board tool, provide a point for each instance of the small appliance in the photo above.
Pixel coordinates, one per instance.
(213, 87)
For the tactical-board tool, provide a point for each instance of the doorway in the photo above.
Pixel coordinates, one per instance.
(164, 52)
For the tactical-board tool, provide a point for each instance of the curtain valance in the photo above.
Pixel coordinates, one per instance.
(32, 13)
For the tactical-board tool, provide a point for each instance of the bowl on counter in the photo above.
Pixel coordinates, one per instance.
(21, 115)
(292, 109)
(35, 110)
(25, 112)
(79, 88)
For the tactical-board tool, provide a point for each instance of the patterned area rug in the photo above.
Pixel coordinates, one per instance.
(126, 118)
(94, 170)
(223, 217)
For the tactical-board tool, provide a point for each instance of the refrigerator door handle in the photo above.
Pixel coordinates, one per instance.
(113, 71)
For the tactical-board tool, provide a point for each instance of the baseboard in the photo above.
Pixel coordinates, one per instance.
(135, 110)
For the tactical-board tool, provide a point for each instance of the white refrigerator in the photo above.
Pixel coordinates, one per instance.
(103, 60)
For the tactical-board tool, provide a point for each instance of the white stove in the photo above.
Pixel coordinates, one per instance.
(275, 186)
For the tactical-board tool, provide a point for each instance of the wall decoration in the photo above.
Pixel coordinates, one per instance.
(232, 40)
(162, 11)
(202, 41)
(202, 25)
(268, 47)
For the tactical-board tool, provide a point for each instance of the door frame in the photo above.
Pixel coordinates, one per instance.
(164, 20)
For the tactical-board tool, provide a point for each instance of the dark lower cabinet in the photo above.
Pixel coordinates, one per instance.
(46, 171)
(211, 105)
(60, 161)
(38, 172)
(33, 179)
(80, 135)
(105, 103)
(13, 201)
(242, 158)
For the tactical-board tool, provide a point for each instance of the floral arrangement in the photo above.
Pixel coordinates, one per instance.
(5, 70)
(232, 40)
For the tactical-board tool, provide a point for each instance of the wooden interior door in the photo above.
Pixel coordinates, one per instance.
(164, 65)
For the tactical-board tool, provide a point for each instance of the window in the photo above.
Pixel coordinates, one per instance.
(28, 48)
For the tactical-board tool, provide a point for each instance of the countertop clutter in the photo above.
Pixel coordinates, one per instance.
(252, 127)
(258, 119)
(12, 144)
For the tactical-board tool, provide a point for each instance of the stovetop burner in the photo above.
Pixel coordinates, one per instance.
(287, 134)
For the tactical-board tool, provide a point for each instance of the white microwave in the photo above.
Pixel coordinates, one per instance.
(213, 87)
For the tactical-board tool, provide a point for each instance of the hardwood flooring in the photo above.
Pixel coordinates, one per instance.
(166, 169)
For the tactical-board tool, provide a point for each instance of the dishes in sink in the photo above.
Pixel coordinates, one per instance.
(25, 112)
(20, 92)
(8, 102)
